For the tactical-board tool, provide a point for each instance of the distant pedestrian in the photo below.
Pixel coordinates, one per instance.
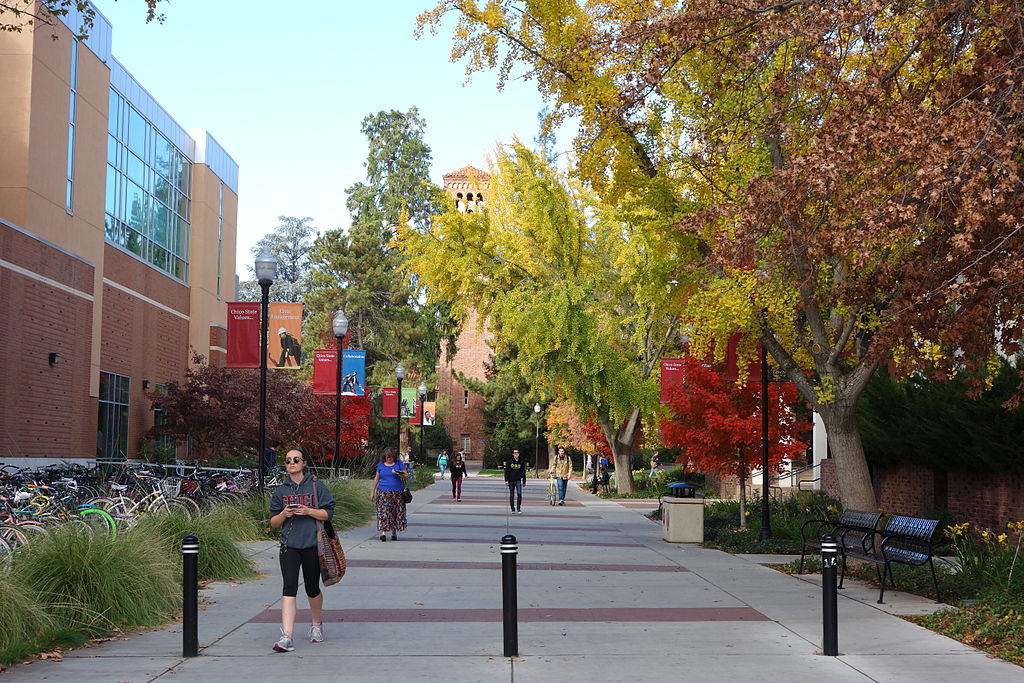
(270, 458)
(388, 484)
(654, 463)
(515, 480)
(561, 468)
(458, 469)
(293, 511)
(442, 462)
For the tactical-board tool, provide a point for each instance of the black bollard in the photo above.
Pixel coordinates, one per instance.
(829, 596)
(510, 626)
(190, 596)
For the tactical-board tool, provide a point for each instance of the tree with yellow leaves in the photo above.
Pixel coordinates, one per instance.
(579, 291)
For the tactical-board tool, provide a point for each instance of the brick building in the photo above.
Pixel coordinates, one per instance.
(468, 189)
(117, 247)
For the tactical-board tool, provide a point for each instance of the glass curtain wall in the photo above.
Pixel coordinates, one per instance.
(148, 201)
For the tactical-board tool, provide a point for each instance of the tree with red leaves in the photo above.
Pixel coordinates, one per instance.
(217, 408)
(318, 428)
(718, 424)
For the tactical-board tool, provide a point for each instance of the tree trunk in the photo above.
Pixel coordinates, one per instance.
(855, 488)
(743, 499)
(621, 442)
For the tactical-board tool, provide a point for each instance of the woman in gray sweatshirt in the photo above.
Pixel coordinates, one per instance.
(294, 508)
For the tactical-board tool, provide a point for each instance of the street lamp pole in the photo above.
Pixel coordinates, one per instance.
(766, 525)
(266, 271)
(399, 375)
(423, 400)
(340, 327)
(536, 440)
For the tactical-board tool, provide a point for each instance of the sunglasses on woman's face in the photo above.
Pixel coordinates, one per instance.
(291, 460)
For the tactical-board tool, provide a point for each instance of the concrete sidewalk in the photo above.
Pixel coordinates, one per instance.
(601, 597)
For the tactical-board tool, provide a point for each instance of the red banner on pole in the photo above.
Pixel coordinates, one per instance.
(325, 372)
(414, 419)
(389, 408)
(732, 370)
(671, 377)
(243, 335)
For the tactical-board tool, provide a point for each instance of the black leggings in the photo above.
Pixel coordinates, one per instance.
(291, 560)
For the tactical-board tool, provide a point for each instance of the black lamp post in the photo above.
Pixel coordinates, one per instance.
(423, 400)
(766, 523)
(399, 375)
(340, 326)
(536, 440)
(266, 271)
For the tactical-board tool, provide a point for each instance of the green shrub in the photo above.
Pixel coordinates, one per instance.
(97, 583)
(991, 560)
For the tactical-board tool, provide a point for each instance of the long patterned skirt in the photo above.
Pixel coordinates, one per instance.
(390, 511)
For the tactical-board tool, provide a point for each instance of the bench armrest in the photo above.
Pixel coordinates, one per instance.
(862, 536)
(818, 525)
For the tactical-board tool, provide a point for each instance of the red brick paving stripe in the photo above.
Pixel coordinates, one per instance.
(515, 522)
(526, 614)
(500, 501)
(532, 515)
(526, 566)
(530, 542)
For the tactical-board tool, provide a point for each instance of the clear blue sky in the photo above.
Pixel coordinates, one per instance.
(284, 93)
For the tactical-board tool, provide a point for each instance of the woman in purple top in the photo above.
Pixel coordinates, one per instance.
(387, 492)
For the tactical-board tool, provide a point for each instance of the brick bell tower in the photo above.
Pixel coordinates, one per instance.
(468, 188)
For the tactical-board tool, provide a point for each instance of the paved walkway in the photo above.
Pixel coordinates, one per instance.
(602, 598)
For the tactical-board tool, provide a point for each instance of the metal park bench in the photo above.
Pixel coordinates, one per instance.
(812, 530)
(903, 540)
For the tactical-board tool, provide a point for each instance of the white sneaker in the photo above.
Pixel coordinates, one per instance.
(316, 633)
(284, 644)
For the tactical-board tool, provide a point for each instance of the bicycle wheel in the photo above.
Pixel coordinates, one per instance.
(99, 521)
(6, 553)
(13, 536)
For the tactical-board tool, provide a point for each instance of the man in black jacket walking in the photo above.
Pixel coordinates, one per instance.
(515, 479)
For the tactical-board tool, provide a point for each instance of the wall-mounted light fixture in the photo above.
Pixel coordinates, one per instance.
(145, 384)
(53, 358)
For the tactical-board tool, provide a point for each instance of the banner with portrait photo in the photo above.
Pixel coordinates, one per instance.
(429, 412)
(284, 336)
(243, 335)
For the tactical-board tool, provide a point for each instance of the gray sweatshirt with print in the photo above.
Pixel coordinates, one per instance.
(299, 531)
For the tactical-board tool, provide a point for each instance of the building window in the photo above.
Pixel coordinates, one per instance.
(149, 180)
(465, 398)
(164, 447)
(72, 106)
(112, 430)
(465, 442)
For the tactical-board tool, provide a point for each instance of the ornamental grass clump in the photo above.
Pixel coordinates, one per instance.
(353, 506)
(22, 616)
(97, 583)
(219, 558)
